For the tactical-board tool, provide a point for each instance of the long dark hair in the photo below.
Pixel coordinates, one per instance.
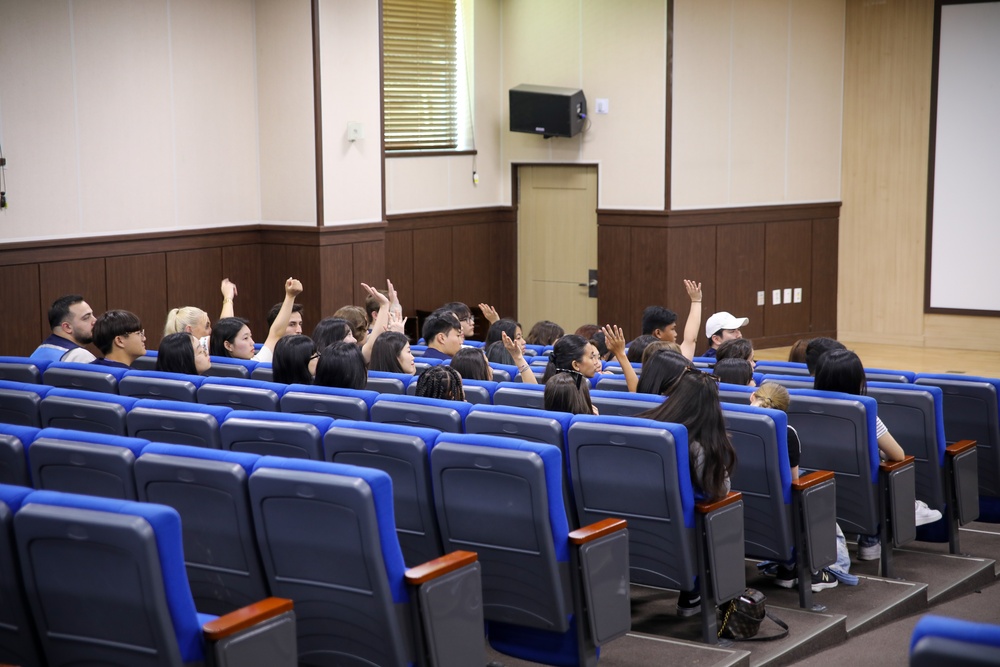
(841, 370)
(568, 392)
(502, 325)
(442, 382)
(545, 332)
(736, 348)
(176, 354)
(290, 363)
(694, 403)
(341, 365)
(330, 330)
(497, 353)
(566, 350)
(732, 370)
(661, 371)
(385, 352)
(470, 362)
(224, 331)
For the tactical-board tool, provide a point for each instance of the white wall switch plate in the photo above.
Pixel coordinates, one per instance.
(797, 295)
(788, 295)
(355, 131)
(776, 297)
(603, 105)
(760, 298)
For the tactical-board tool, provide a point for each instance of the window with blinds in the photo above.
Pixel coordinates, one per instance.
(420, 75)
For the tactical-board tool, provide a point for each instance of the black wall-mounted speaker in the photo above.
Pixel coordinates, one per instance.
(547, 110)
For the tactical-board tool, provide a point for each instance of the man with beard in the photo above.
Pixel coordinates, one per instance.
(72, 321)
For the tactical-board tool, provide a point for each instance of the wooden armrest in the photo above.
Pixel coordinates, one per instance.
(812, 479)
(891, 466)
(245, 617)
(438, 567)
(596, 530)
(957, 448)
(706, 507)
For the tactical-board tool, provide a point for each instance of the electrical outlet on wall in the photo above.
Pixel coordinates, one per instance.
(761, 298)
(788, 295)
(776, 297)
(797, 295)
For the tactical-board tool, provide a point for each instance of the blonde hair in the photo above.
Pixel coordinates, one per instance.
(772, 395)
(355, 316)
(179, 319)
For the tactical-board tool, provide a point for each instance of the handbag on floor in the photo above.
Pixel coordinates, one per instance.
(741, 618)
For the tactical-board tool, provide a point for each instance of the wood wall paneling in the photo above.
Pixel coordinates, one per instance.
(19, 335)
(822, 296)
(787, 266)
(692, 253)
(432, 274)
(614, 276)
(193, 280)
(503, 267)
(472, 265)
(399, 266)
(740, 275)
(337, 263)
(369, 268)
(647, 282)
(303, 263)
(138, 283)
(85, 277)
(242, 265)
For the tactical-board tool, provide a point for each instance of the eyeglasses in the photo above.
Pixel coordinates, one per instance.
(315, 355)
(141, 332)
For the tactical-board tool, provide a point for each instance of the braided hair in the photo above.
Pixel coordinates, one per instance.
(442, 382)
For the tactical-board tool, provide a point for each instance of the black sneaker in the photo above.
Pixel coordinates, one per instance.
(823, 579)
(688, 604)
(785, 577)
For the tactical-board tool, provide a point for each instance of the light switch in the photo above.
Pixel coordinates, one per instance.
(355, 131)
(797, 295)
(760, 298)
(788, 295)
(603, 105)
(776, 297)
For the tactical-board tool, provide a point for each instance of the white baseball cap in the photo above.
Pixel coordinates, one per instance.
(724, 320)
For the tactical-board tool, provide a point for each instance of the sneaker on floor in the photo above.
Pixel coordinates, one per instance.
(688, 604)
(925, 514)
(823, 579)
(785, 577)
(869, 551)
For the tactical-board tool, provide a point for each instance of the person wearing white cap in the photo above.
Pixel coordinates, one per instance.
(721, 327)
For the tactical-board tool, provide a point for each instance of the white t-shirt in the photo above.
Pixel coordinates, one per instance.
(264, 355)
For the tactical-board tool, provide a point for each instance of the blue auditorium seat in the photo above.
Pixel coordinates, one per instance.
(417, 411)
(95, 464)
(230, 367)
(305, 399)
(18, 639)
(241, 393)
(22, 369)
(937, 640)
(87, 377)
(177, 422)
(20, 402)
(14, 443)
(85, 411)
(275, 433)
(159, 385)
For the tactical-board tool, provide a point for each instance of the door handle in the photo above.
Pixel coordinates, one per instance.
(592, 283)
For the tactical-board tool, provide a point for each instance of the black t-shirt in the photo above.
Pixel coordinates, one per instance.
(794, 448)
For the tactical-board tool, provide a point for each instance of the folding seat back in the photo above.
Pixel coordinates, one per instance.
(389, 383)
(537, 349)
(520, 395)
(22, 369)
(789, 381)
(735, 393)
(332, 402)
(178, 423)
(937, 640)
(328, 541)
(479, 392)
(402, 453)
(263, 372)
(417, 411)
(146, 362)
(504, 497)
(209, 489)
(230, 367)
(87, 377)
(18, 640)
(241, 394)
(971, 413)
(703, 362)
(768, 367)
(125, 560)
(522, 423)
(505, 373)
(889, 375)
(621, 404)
(14, 443)
(20, 403)
(422, 364)
(158, 385)
(612, 383)
(85, 411)
(275, 434)
(93, 464)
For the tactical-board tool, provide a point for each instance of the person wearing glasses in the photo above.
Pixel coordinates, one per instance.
(119, 336)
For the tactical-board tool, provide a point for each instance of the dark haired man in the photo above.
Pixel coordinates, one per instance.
(294, 320)
(443, 333)
(72, 322)
(721, 327)
(119, 335)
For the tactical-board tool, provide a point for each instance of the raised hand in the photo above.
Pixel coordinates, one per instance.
(693, 290)
(382, 299)
(614, 339)
(489, 312)
(293, 287)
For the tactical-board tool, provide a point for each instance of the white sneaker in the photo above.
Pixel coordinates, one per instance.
(869, 552)
(925, 514)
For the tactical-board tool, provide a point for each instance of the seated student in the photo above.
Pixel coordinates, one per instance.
(358, 320)
(816, 348)
(774, 396)
(637, 347)
(574, 353)
(661, 323)
(601, 343)
(464, 316)
(544, 332)
(737, 348)
(443, 333)
(373, 305)
(341, 365)
(231, 336)
(693, 402)
(721, 327)
(72, 322)
(442, 382)
(797, 353)
(471, 364)
(842, 371)
(195, 320)
(661, 371)
(330, 330)
(506, 351)
(587, 331)
(505, 326)
(119, 335)
(294, 320)
(568, 392)
(391, 354)
(656, 346)
(295, 360)
(182, 352)
(734, 370)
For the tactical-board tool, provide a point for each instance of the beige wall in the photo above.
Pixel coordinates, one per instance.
(124, 116)
(883, 219)
(757, 101)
